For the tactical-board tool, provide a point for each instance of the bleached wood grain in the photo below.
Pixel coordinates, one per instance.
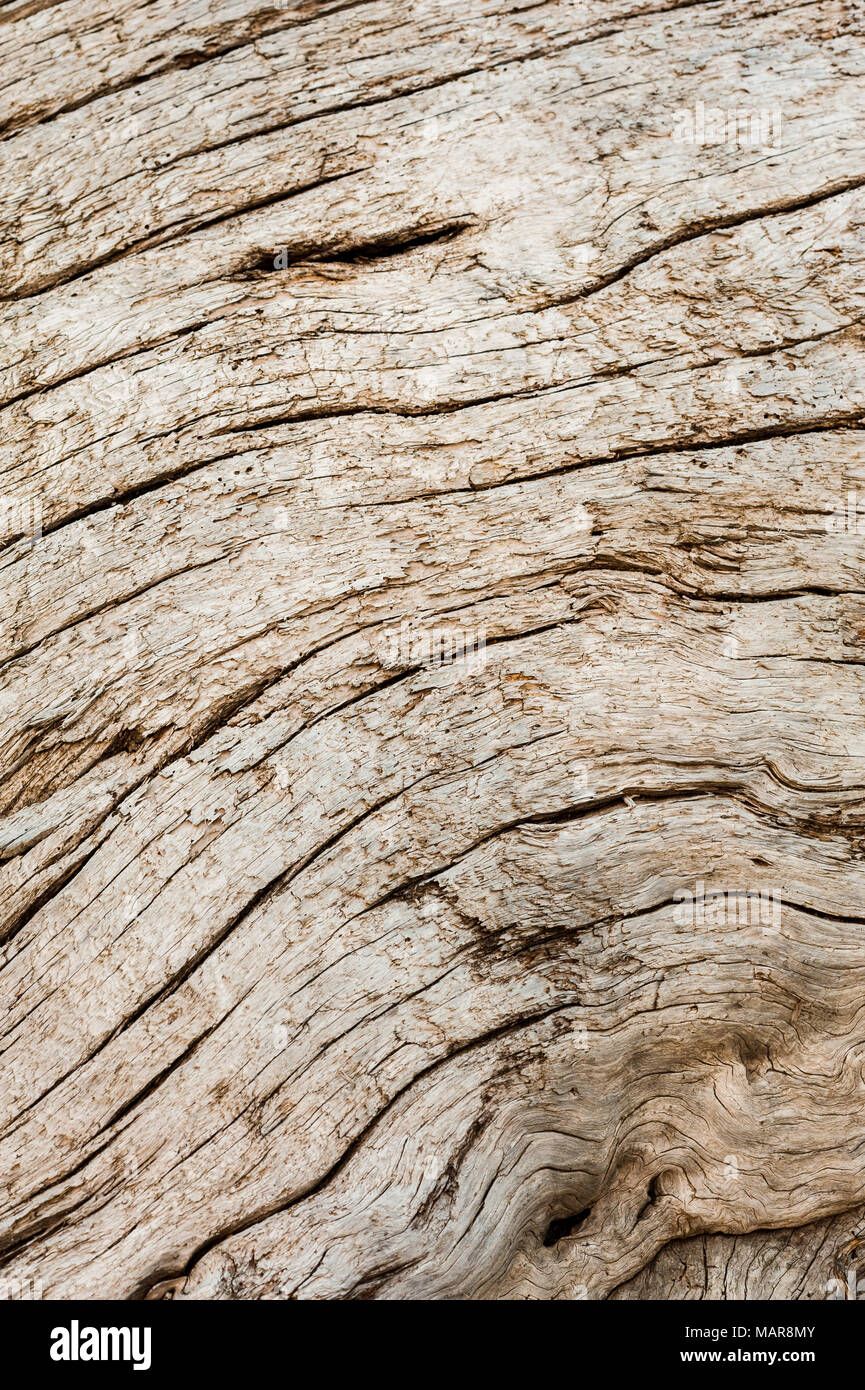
(333, 337)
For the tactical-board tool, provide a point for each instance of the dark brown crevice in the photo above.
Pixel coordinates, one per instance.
(268, 262)
(130, 494)
(841, 419)
(694, 231)
(17, 924)
(564, 1226)
(126, 741)
(653, 1192)
(14, 1242)
(400, 91)
(169, 234)
(445, 1187)
(231, 706)
(222, 713)
(21, 1236)
(363, 252)
(134, 350)
(25, 9)
(371, 1286)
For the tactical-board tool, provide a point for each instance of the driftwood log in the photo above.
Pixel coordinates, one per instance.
(433, 649)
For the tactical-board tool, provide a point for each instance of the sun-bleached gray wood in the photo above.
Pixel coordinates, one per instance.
(433, 568)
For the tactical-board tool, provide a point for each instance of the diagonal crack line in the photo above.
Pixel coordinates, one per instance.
(729, 789)
(152, 1086)
(25, 9)
(838, 420)
(224, 713)
(180, 62)
(504, 1030)
(195, 57)
(706, 227)
(228, 709)
(560, 388)
(110, 604)
(269, 891)
(26, 1231)
(220, 716)
(135, 350)
(121, 600)
(167, 238)
(131, 494)
(392, 96)
(151, 1002)
(847, 419)
(399, 93)
(358, 252)
(397, 679)
(18, 1238)
(567, 816)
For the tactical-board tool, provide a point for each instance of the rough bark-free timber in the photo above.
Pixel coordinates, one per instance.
(432, 656)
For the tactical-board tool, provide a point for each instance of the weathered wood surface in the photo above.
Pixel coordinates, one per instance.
(336, 337)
